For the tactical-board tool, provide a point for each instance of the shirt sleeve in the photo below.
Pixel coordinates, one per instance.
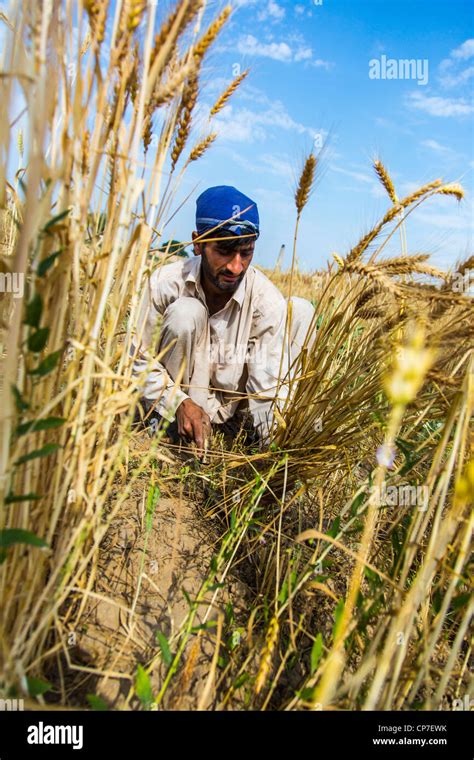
(154, 382)
(266, 365)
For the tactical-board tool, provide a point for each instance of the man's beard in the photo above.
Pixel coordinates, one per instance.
(215, 279)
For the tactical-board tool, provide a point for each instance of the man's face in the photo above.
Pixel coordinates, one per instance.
(223, 268)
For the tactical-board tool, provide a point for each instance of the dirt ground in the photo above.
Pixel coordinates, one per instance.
(176, 556)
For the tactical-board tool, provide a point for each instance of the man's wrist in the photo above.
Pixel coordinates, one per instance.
(169, 403)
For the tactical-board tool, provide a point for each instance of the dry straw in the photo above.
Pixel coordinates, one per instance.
(86, 224)
(361, 412)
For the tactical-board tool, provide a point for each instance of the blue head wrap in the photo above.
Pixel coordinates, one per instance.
(229, 210)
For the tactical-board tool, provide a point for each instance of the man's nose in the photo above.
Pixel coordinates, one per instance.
(235, 265)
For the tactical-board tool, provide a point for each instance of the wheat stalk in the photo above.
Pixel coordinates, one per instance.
(202, 146)
(222, 100)
(267, 653)
(386, 180)
(188, 101)
(211, 33)
(305, 183)
(453, 189)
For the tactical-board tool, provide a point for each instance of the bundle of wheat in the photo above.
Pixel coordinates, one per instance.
(96, 85)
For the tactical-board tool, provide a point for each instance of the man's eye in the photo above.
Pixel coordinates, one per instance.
(223, 252)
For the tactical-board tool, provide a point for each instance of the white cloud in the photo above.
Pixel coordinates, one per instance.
(278, 51)
(436, 146)
(464, 51)
(303, 54)
(442, 218)
(438, 106)
(459, 78)
(299, 10)
(272, 11)
(278, 165)
(452, 73)
(359, 176)
(461, 53)
(318, 63)
(247, 126)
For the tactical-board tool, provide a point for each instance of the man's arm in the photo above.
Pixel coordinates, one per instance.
(193, 423)
(157, 386)
(267, 342)
(155, 383)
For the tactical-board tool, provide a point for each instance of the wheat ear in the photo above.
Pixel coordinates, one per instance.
(222, 100)
(306, 182)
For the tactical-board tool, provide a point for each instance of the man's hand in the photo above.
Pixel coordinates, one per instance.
(193, 422)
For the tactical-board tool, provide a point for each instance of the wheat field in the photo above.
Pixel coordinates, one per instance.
(330, 571)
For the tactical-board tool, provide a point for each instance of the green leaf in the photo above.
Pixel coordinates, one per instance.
(10, 536)
(337, 617)
(214, 564)
(187, 597)
(235, 638)
(47, 365)
(47, 263)
(408, 451)
(13, 498)
(306, 694)
(20, 403)
(34, 310)
(165, 648)
(215, 586)
(38, 340)
(204, 626)
(460, 601)
(229, 613)
(373, 577)
(357, 503)
(143, 688)
(437, 600)
(45, 451)
(316, 652)
(241, 680)
(36, 686)
(55, 220)
(334, 529)
(97, 703)
(47, 423)
(152, 502)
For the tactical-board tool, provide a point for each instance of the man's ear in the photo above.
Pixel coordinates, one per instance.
(197, 247)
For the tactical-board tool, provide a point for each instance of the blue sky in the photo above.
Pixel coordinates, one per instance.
(310, 75)
(310, 64)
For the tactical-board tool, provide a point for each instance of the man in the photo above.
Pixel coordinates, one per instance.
(221, 345)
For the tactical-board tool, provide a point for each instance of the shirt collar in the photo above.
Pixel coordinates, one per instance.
(193, 274)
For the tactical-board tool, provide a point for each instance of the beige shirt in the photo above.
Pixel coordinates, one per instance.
(242, 349)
